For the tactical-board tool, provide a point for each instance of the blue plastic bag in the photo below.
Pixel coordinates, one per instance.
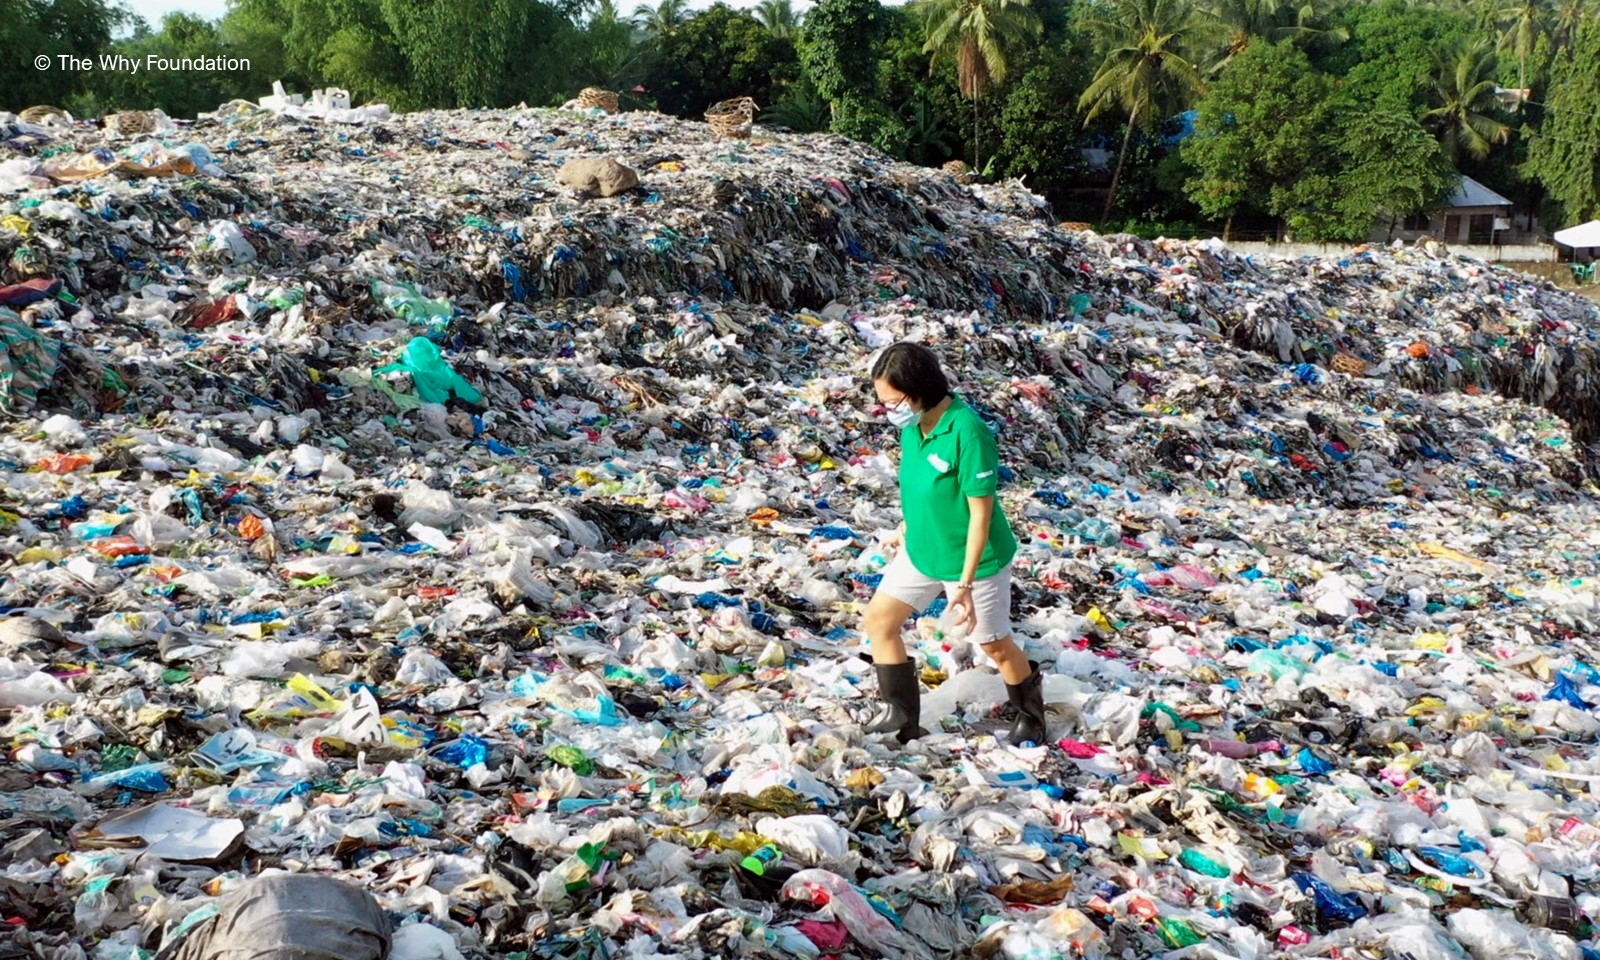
(1330, 903)
(1566, 692)
(469, 751)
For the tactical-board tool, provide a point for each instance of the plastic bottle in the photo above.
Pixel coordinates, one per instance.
(758, 862)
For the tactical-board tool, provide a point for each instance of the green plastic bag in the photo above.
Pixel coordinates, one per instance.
(436, 380)
(27, 364)
(405, 301)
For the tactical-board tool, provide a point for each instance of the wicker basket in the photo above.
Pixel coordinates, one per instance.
(593, 98)
(1349, 364)
(959, 170)
(41, 114)
(733, 119)
(131, 123)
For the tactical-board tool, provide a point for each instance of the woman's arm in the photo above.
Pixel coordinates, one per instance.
(982, 510)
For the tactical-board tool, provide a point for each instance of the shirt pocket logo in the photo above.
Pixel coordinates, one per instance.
(938, 463)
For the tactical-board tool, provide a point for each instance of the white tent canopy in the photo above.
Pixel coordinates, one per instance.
(1583, 235)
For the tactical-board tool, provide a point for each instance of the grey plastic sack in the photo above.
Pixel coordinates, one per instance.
(287, 916)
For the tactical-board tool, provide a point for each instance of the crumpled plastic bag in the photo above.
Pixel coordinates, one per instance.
(436, 380)
(28, 362)
(811, 838)
(25, 684)
(834, 897)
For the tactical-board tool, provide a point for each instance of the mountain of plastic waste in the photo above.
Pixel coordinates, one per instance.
(375, 507)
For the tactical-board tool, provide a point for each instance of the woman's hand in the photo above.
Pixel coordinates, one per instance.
(894, 540)
(962, 610)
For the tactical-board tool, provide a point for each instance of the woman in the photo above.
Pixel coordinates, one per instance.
(955, 537)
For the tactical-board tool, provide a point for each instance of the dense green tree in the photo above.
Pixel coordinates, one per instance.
(1056, 23)
(611, 51)
(1391, 59)
(716, 55)
(1040, 142)
(1151, 67)
(255, 30)
(1465, 105)
(980, 37)
(50, 28)
(928, 101)
(482, 53)
(928, 140)
(1259, 128)
(1565, 152)
(1377, 163)
(870, 121)
(841, 46)
(801, 108)
(1151, 190)
(344, 43)
(1244, 21)
(180, 94)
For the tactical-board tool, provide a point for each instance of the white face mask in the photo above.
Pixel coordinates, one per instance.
(902, 417)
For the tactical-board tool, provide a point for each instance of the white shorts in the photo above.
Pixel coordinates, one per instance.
(991, 596)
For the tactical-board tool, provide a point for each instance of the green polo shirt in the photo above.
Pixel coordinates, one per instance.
(937, 474)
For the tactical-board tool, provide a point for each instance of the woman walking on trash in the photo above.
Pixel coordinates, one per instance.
(955, 538)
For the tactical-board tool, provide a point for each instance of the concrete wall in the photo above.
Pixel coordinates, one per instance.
(1523, 253)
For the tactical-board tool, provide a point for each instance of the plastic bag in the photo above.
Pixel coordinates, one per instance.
(812, 838)
(436, 380)
(832, 895)
(404, 300)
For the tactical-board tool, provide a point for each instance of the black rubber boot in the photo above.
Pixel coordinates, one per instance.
(1028, 699)
(902, 701)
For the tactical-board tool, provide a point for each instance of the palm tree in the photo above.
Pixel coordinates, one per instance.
(1272, 21)
(802, 109)
(663, 18)
(1565, 21)
(927, 138)
(1150, 68)
(779, 17)
(605, 11)
(1524, 23)
(613, 56)
(1464, 97)
(979, 35)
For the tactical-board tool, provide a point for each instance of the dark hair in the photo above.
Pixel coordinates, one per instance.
(913, 370)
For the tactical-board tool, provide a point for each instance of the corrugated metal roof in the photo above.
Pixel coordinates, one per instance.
(1471, 193)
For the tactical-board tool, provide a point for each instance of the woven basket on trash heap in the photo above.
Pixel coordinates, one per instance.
(42, 113)
(733, 119)
(593, 98)
(959, 170)
(131, 123)
(1350, 364)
